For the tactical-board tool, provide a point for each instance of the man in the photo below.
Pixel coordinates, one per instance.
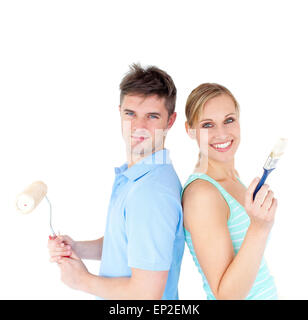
(143, 244)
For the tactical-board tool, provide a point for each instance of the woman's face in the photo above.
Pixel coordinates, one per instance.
(218, 129)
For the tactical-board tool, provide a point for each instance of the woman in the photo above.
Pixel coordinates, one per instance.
(225, 229)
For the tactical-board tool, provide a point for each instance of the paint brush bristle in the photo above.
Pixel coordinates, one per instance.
(279, 148)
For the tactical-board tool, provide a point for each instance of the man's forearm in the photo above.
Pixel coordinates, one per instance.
(119, 288)
(89, 249)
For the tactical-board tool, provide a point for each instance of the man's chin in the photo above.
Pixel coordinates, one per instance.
(141, 153)
(138, 152)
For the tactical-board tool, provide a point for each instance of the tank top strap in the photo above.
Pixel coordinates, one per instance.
(203, 176)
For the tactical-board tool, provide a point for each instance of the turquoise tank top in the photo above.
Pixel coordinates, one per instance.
(264, 286)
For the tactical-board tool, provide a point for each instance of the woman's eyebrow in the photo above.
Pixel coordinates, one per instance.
(225, 117)
(206, 120)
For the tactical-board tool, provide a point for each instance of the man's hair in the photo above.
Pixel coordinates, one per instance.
(148, 82)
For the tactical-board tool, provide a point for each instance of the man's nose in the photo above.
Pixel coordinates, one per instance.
(139, 123)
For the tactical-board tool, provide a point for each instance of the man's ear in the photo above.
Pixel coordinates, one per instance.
(171, 120)
(120, 108)
(191, 132)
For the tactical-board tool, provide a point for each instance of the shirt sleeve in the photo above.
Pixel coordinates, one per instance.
(152, 220)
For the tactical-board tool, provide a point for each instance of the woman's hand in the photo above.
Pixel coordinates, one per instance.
(61, 246)
(262, 209)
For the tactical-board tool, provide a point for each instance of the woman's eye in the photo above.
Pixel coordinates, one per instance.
(207, 125)
(229, 120)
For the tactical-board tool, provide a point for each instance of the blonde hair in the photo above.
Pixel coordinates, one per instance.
(200, 95)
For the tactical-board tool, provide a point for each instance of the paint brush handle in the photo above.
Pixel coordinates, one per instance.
(261, 182)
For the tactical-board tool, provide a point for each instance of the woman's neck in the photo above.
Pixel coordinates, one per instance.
(217, 170)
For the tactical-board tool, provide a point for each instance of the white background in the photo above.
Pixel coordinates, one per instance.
(61, 63)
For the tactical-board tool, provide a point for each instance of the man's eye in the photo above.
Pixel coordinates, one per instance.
(151, 116)
(129, 113)
(207, 125)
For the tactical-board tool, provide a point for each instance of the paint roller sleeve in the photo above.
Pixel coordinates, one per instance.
(28, 200)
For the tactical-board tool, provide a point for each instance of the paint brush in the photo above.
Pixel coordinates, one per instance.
(271, 162)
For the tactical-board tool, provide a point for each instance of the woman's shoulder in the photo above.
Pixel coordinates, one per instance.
(203, 202)
(199, 183)
(201, 192)
(198, 186)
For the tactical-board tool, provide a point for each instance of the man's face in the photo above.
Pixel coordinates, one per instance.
(144, 123)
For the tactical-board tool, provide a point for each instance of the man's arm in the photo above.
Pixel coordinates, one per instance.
(63, 245)
(142, 284)
(89, 249)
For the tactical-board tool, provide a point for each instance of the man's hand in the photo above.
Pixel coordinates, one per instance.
(73, 271)
(61, 246)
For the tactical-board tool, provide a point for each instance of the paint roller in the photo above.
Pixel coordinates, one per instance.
(29, 199)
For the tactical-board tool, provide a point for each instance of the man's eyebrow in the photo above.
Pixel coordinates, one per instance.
(149, 113)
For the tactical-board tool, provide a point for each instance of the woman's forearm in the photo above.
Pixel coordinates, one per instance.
(89, 249)
(239, 277)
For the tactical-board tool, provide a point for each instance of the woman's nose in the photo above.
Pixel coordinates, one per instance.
(221, 132)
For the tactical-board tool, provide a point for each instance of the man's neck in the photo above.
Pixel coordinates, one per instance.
(133, 158)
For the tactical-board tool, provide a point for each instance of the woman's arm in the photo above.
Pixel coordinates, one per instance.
(205, 216)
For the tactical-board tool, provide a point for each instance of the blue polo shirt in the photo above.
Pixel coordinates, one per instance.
(144, 226)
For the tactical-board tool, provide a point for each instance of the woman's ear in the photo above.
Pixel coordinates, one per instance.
(191, 132)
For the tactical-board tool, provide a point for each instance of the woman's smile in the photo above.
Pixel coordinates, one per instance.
(222, 147)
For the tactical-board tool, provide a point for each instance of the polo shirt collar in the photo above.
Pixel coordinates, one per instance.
(145, 165)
